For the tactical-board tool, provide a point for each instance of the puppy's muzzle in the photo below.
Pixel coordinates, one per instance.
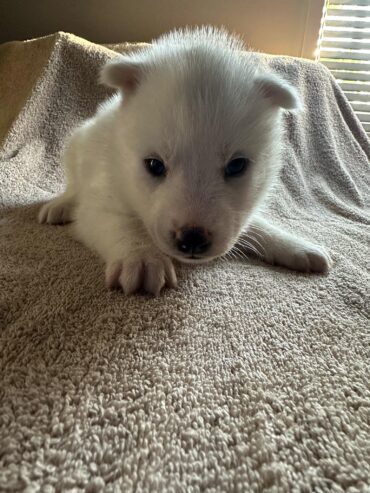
(192, 241)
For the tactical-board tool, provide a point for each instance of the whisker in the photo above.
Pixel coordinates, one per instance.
(253, 240)
(240, 253)
(251, 247)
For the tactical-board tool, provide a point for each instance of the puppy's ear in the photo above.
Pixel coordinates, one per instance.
(278, 92)
(124, 74)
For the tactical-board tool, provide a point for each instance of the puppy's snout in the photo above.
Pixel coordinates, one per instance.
(193, 241)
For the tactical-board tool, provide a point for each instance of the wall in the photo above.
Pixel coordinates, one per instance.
(274, 26)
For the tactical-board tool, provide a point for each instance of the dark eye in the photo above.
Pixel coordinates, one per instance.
(236, 167)
(155, 166)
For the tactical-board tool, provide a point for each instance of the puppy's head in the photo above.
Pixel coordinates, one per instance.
(197, 139)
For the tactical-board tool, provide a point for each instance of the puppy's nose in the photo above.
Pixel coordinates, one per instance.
(193, 240)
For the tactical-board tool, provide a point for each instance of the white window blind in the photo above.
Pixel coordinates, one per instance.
(344, 47)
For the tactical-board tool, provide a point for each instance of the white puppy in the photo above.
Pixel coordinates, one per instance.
(177, 164)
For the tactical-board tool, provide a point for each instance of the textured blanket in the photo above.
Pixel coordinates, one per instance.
(246, 378)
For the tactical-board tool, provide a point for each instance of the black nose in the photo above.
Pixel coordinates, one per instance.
(193, 240)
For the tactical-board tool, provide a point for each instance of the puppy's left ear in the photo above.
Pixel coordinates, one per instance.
(278, 92)
(124, 74)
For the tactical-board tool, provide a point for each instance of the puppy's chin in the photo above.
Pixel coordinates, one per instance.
(187, 259)
(193, 260)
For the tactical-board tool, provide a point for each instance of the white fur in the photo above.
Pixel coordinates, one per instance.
(195, 100)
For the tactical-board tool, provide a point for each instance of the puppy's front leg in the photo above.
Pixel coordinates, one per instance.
(133, 262)
(277, 246)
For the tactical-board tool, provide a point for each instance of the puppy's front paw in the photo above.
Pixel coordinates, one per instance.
(305, 257)
(145, 270)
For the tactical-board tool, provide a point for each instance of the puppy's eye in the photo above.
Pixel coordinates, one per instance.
(236, 167)
(155, 166)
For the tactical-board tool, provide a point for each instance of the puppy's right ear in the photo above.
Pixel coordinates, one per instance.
(123, 74)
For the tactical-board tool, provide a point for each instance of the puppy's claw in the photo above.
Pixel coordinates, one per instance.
(131, 277)
(170, 273)
(154, 278)
(112, 273)
(57, 211)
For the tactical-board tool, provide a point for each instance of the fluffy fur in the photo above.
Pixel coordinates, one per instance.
(195, 101)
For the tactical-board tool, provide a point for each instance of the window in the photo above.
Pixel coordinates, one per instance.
(344, 47)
